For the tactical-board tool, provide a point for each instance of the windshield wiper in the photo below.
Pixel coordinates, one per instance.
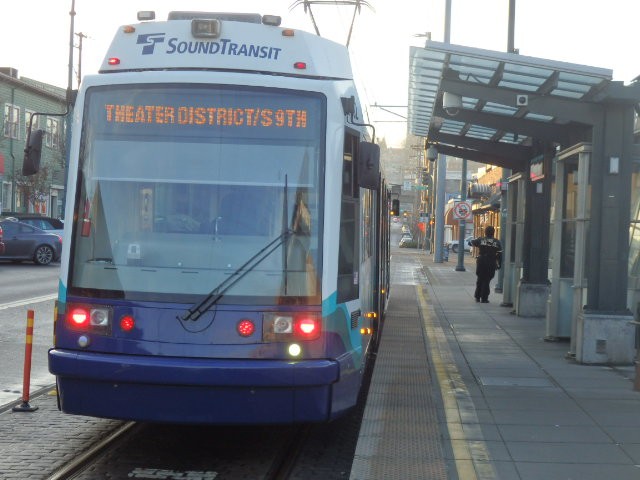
(217, 293)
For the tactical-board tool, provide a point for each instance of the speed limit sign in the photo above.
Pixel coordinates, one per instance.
(462, 210)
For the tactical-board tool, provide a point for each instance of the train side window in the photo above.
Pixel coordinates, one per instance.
(348, 254)
(349, 248)
(349, 180)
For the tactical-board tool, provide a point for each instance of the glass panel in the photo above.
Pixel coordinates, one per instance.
(512, 199)
(571, 190)
(568, 249)
(634, 231)
(182, 188)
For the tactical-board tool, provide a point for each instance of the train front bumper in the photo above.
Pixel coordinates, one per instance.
(193, 390)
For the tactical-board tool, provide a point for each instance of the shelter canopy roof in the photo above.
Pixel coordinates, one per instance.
(507, 100)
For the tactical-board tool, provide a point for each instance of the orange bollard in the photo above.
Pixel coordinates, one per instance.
(26, 377)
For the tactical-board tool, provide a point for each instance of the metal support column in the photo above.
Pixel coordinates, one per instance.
(441, 176)
(463, 223)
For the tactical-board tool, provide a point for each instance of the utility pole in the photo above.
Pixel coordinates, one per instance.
(67, 145)
(79, 47)
(441, 174)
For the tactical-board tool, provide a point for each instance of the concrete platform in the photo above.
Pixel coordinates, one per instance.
(464, 390)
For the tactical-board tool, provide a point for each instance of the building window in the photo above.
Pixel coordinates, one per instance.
(52, 136)
(6, 196)
(11, 121)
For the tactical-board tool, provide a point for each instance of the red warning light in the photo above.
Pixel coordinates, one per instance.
(127, 323)
(246, 328)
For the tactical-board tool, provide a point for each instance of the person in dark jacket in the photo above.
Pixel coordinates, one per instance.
(488, 261)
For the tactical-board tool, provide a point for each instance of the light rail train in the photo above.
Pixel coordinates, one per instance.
(228, 257)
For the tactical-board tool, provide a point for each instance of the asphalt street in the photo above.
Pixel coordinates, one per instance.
(25, 287)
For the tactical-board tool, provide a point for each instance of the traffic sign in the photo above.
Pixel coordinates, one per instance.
(462, 210)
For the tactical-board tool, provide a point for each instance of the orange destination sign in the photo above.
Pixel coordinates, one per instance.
(218, 116)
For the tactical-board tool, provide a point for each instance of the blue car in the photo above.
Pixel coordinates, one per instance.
(25, 242)
(48, 224)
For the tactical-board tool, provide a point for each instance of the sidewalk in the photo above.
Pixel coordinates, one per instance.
(513, 406)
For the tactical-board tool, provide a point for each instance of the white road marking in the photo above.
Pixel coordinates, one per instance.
(27, 301)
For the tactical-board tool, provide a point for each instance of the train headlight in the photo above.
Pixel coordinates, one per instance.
(96, 319)
(284, 327)
(99, 317)
(295, 350)
(205, 27)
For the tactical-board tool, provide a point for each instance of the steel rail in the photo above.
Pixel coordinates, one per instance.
(85, 459)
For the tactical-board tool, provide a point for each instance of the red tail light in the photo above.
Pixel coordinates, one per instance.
(284, 327)
(306, 328)
(127, 323)
(78, 317)
(89, 318)
(245, 328)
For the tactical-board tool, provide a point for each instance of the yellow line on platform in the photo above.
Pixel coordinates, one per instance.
(451, 386)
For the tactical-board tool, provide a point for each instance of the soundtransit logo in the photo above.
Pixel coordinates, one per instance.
(149, 41)
(223, 46)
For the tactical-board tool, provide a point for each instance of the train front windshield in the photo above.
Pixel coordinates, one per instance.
(182, 188)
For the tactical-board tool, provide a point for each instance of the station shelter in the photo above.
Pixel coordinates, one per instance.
(564, 133)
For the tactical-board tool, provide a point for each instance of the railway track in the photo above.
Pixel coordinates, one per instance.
(86, 459)
(165, 452)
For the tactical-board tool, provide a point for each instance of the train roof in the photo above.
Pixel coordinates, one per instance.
(231, 42)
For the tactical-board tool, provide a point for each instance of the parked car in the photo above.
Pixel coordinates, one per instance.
(1, 242)
(25, 242)
(453, 245)
(406, 237)
(48, 224)
(406, 242)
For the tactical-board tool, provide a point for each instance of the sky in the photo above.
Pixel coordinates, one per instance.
(595, 33)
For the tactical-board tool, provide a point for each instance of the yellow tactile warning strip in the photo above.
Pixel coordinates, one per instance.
(400, 437)
(471, 459)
